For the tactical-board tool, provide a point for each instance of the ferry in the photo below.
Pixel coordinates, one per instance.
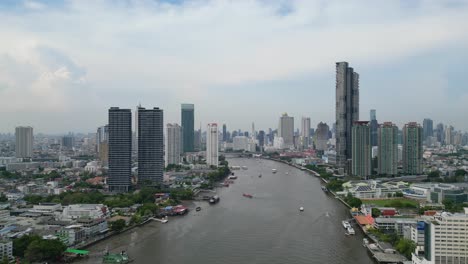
(350, 231)
(247, 195)
(273, 170)
(259, 175)
(301, 209)
(345, 224)
(116, 258)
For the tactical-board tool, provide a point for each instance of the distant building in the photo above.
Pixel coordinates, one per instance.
(212, 145)
(89, 211)
(305, 132)
(388, 149)
(374, 127)
(321, 136)
(412, 149)
(102, 143)
(347, 110)
(120, 149)
(24, 142)
(361, 149)
(188, 126)
(225, 138)
(449, 135)
(6, 250)
(68, 142)
(261, 138)
(286, 130)
(150, 145)
(173, 144)
(240, 143)
(427, 128)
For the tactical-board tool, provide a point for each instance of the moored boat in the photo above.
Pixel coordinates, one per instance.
(350, 231)
(247, 195)
(301, 209)
(345, 224)
(273, 170)
(198, 208)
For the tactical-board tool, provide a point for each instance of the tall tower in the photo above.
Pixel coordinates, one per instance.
(347, 110)
(120, 149)
(173, 144)
(321, 137)
(188, 126)
(102, 142)
(305, 132)
(361, 149)
(449, 135)
(286, 130)
(412, 149)
(427, 128)
(388, 149)
(212, 144)
(225, 139)
(150, 145)
(374, 127)
(24, 142)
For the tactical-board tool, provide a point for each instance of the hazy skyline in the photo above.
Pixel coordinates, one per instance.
(63, 64)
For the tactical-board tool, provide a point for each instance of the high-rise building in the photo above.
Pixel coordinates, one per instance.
(388, 149)
(361, 149)
(445, 239)
(150, 145)
(24, 142)
(449, 135)
(261, 139)
(374, 127)
(102, 144)
(427, 128)
(173, 144)
(197, 138)
(305, 132)
(188, 126)
(225, 139)
(212, 144)
(120, 149)
(440, 133)
(286, 130)
(135, 132)
(68, 142)
(321, 137)
(347, 110)
(412, 149)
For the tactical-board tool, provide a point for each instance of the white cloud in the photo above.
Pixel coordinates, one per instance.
(180, 52)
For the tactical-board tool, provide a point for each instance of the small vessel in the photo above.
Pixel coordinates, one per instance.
(301, 209)
(273, 170)
(232, 177)
(365, 242)
(198, 208)
(244, 167)
(324, 188)
(247, 195)
(345, 224)
(260, 176)
(111, 258)
(214, 199)
(350, 230)
(287, 172)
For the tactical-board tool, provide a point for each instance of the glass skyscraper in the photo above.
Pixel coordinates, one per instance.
(188, 126)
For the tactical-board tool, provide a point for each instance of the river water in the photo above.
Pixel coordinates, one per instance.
(265, 229)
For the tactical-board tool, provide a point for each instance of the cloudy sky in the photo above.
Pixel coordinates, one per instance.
(64, 63)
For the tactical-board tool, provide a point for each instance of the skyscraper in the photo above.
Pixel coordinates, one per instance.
(412, 149)
(347, 110)
(188, 126)
(449, 135)
(225, 139)
(24, 142)
(212, 144)
(374, 127)
(361, 149)
(440, 133)
(68, 142)
(120, 149)
(261, 138)
(102, 137)
(388, 149)
(286, 130)
(321, 137)
(150, 145)
(305, 132)
(427, 128)
(173, 144)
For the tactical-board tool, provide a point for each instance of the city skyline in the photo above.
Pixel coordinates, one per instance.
(50, 77)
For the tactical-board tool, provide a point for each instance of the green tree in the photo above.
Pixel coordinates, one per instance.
(118, 225)
(398, 194)
(405, 247)
(21, 244)
(335, 185)
(43, 249)
(3, 198)
(376, 212)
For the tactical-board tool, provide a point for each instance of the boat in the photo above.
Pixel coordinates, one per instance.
(247, 195)
(345, 224)
(232, 177)
(350, 231)
(214, 199)
(111, 258)
(273, 170)
(301, 209)
(198, 208)
(287, 172)
(244, 167)
(365, 242)
(260, 176)
(324, 188)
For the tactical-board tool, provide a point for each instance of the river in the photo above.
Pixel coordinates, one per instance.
(265, 229)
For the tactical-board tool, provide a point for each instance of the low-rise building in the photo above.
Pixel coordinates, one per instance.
(6, 249)
(93, 227)
(394, 225)
(92, 211)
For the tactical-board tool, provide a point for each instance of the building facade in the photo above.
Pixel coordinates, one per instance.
(305, 132)
(347, 110)
(361, 149)
(173, 144)
(428, 130)
(412, 149)
(388, 149)
(188, 126)
(150, 145)
(212, 144)
(24, 142)
(120, 149)
(286, 130)
(321, 137)
(374, 127)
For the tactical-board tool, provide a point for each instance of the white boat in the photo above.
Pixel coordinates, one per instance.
(301, 208)
(351, 231)
(287, 172)
(273, 170)
(244, 167)
(365, 242)
(345, 224)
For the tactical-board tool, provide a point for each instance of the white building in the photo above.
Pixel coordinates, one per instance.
(278, 143)
(6, 249)
(92, 167)
(212, 144)
(93, 211)
(305, 132)
(240, 143)
(173, 144)
(24, 142)
(286, 130)
(446, 240)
